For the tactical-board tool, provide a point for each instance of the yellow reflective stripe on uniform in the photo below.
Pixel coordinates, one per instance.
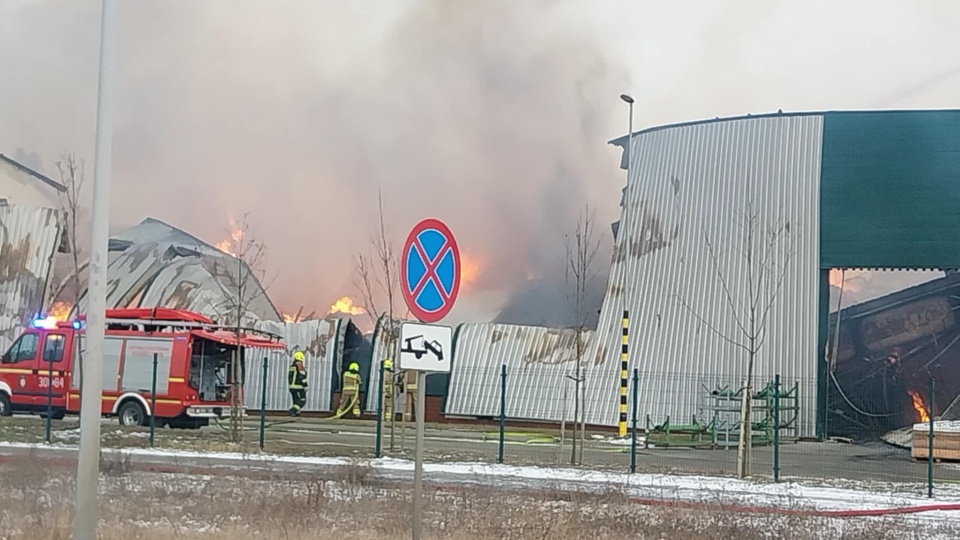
(351, 382)
(295, 378)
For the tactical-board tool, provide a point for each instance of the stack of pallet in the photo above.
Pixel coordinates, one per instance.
(946, 441)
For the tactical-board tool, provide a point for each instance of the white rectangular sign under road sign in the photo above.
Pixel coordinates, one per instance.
(425, 347)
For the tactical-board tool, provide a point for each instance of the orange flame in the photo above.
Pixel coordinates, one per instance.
(470, 269)
(289, 318)
(918, 406)
(231, 245)
(345, 305)
(848, 279)
(60, 310)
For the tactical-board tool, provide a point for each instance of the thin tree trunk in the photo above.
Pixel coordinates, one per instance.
(576, 414)
(583, 412)
(746, 425)
(563, 421)
(746, 432)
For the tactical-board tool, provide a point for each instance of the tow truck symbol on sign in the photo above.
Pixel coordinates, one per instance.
(418, 346)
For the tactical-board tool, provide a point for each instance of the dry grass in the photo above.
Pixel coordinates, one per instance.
(38, 500)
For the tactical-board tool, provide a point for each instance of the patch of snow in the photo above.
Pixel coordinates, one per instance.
(939, 426)
(625, 442)
(697, 489)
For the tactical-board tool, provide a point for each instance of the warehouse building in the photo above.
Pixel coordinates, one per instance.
(821, 191)
(32, 231)
(729, 230)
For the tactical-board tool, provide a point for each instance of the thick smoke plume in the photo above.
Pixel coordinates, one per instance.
(491, 115)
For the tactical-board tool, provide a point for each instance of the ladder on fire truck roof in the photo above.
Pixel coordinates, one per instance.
(176, 318)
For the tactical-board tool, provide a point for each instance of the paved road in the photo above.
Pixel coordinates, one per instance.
(873, 461)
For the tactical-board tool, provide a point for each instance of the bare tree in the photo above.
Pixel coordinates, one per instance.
(378, 279)
(765, 250)
(581, 250)
(378, 274)
(247, 283)
(72, 177)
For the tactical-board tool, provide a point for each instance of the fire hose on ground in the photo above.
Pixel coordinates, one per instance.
(342, 411)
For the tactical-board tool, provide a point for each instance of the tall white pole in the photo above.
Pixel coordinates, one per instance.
(88, 465)
(622, 235)
(630, 143)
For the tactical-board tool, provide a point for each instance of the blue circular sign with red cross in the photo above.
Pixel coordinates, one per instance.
(430, 270)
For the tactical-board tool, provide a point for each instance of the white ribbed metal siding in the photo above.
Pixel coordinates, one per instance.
(29, 238)
(183, 277)
(540, 362)
(383, 347)
(720, 166)
(316, 339)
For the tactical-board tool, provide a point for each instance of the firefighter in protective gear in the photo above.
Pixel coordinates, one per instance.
(388, 386)
(350, 389)
(410, 396)
(297, 383)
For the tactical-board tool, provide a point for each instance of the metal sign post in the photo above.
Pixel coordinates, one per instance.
(424, 348)
(430, 283)
(418, 459)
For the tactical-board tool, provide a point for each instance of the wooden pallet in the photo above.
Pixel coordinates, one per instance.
(946, 446)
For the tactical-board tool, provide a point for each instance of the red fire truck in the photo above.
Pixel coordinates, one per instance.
(194, 359)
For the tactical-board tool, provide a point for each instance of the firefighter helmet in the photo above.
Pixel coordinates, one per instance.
(354, 367)
(388, 364)
(298, 356)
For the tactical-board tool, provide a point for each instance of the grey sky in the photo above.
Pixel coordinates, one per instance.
(491, 115)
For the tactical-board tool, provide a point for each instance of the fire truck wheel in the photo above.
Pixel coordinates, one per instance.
(5, 408)
(132, 413)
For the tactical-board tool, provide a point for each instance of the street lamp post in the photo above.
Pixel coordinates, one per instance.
(624, 242)
(622, 229)
(88, 465)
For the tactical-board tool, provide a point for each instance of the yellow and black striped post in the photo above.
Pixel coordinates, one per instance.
(624, 344)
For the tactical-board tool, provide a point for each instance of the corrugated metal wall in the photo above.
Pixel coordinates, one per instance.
(184, 277)
(29, 238)
(540, 365)
(317, 341)
(383, 347)
(689, 182)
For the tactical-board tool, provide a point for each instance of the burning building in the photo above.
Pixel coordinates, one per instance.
(155, 264)
(819, 191)
(728, 234)
(888, 349)
(31, 233)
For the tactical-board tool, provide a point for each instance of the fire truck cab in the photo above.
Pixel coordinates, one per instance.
(194, 359)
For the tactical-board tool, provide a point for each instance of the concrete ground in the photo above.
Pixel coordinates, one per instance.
(875, 461)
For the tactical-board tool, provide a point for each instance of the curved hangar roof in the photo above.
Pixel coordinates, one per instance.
(888, 182)
(157, 265)
(877, 189)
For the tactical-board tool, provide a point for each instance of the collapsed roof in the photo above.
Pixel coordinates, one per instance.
(155, 264)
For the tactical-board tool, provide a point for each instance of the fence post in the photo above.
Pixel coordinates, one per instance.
(49, 400)
(776, 429)
(633, 430)
(930, 414)
(379, 444)
(153, 400)
(503, 409)
(263, 402)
